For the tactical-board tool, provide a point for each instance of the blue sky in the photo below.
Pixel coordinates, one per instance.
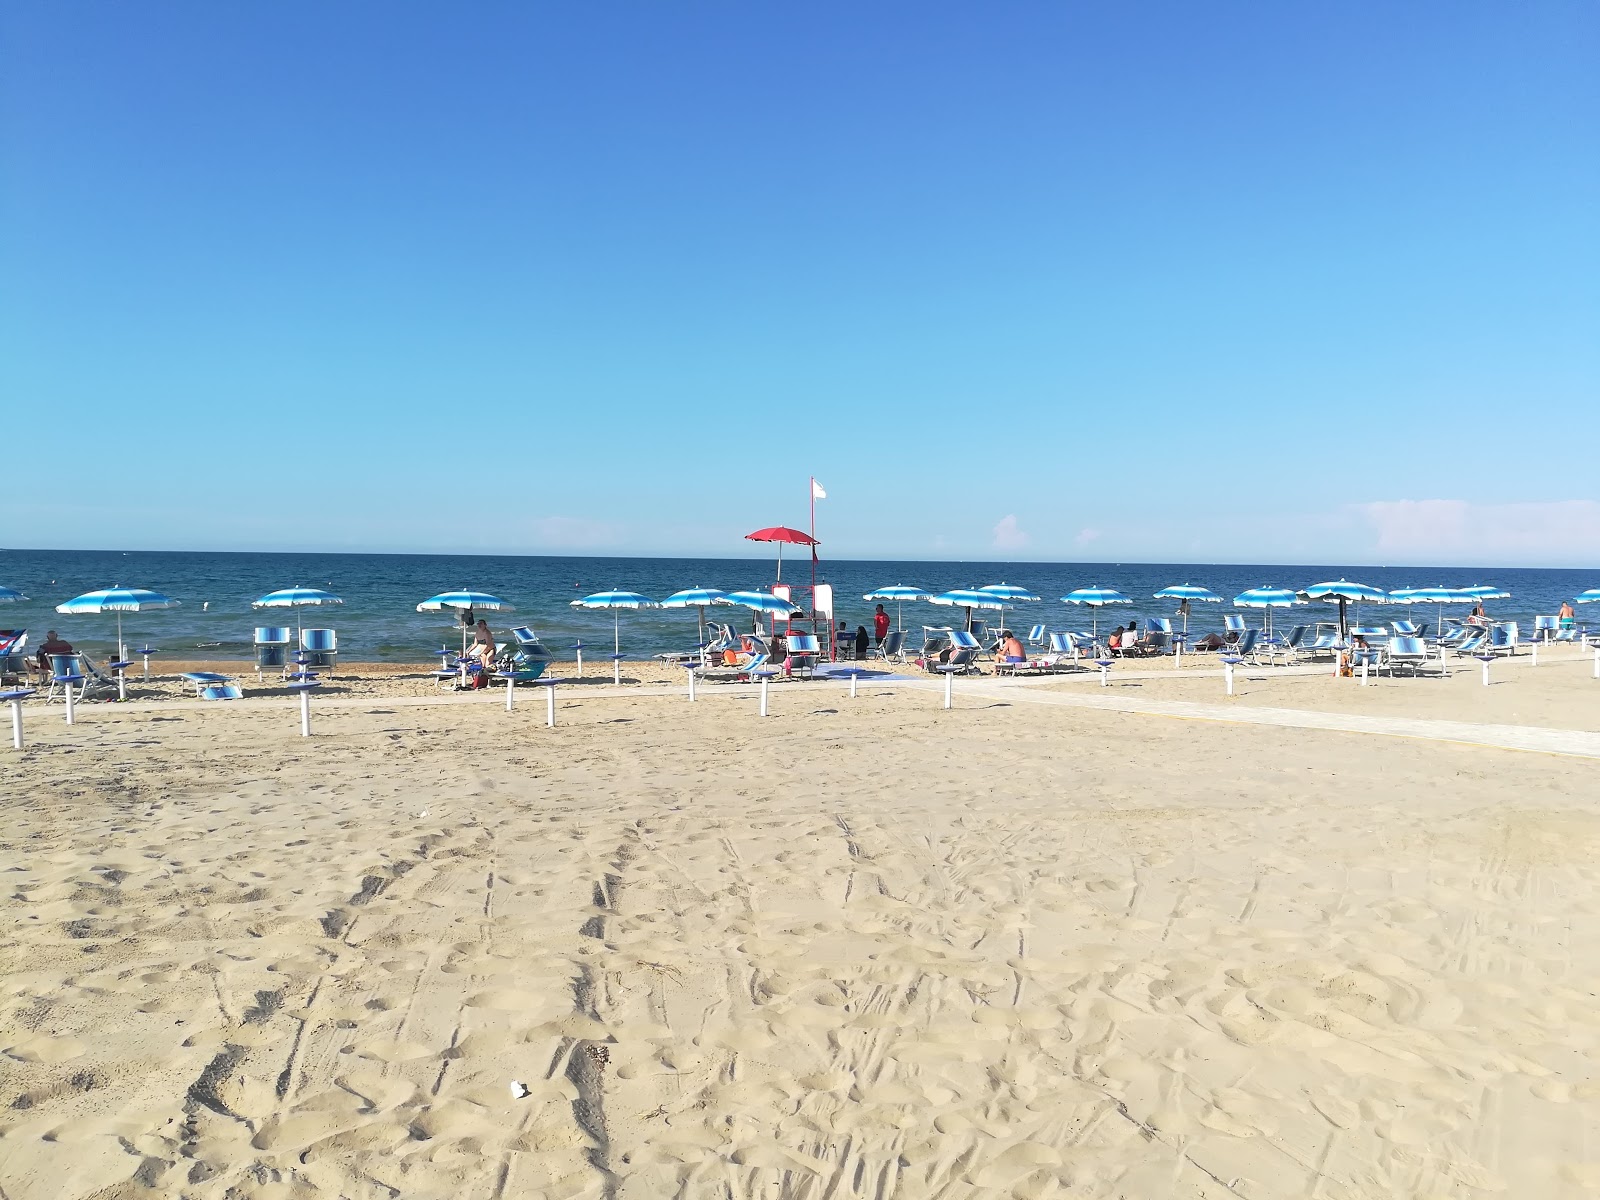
(1173, 282)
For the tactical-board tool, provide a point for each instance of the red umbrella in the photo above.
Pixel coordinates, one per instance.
(782, 534)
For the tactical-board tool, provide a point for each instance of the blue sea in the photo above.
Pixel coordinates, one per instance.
(379, 622)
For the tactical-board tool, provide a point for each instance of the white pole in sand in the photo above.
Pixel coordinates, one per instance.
(305, 712)
(1597, 662)
(550, 704)
(1105, 671)
(1363, 672)
(1485, 660)
(948, 677)
(852, 685)
(1227, 676)
(511, 684)
(763, 695)
(1177, 655)
(15, 700)
(122, 683)
(616, 669)
(578, 646)
(1535, 645)
(70, 716)
(691, 685)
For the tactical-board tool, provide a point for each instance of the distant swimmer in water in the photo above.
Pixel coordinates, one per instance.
(204, 604)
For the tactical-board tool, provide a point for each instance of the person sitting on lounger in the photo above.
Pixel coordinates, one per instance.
(1010, 649)
(1211, 641)
(52, 644)
(1479, 617)
(1114, 642)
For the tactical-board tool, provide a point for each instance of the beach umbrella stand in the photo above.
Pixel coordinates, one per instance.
(698, 599)
(464, 603)
(1186, 593)
(296, 598)
(14, 699)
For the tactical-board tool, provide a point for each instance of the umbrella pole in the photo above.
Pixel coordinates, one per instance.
(119, 637)
(616, 632)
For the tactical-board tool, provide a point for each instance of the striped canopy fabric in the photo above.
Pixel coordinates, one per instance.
(1009, 593)
(899, 593)
(1430, 595)
(694, 598)
(968, 598)
(1095, 597)
(759, 601)
(1484, 591)
(10, 595)
(1343, 589)
(1188, 591)
(1589, 597)
(296, 597)
(118, 600)
(616, 600)
(1267, 597)
(464, 600)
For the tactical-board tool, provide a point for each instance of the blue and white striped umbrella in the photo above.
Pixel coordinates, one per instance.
(901, 596)
(1484, 591)
(1589, 597)
(1096, 598)
(616, 602)
(698, 599)
(1010, 593)
(1431, 595)
(967, 598)
(694, 598)
(465, 601)
(10, 595)
(296, 597)
(1344, 591)
(1267, 597)
(117, 600)
(1188, 591)
(760, 602)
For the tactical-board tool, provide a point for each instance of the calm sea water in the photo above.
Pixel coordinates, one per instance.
(379, 621)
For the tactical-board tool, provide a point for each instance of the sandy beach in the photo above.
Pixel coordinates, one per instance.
(1043, 944)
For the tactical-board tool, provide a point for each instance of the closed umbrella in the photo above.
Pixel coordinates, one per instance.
(1187, 593)
(1095, 598)
(296, 598)
(118, 600)
(467, 603)
(1343, 591)
(900, 595)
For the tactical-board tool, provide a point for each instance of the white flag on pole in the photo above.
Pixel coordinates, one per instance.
(816, 491)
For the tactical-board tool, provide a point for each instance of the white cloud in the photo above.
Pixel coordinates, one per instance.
(1007, 536)
(1459, 531)
(1085, 536)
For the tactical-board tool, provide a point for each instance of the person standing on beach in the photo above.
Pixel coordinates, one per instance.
(1568, 615)
(880, 625)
